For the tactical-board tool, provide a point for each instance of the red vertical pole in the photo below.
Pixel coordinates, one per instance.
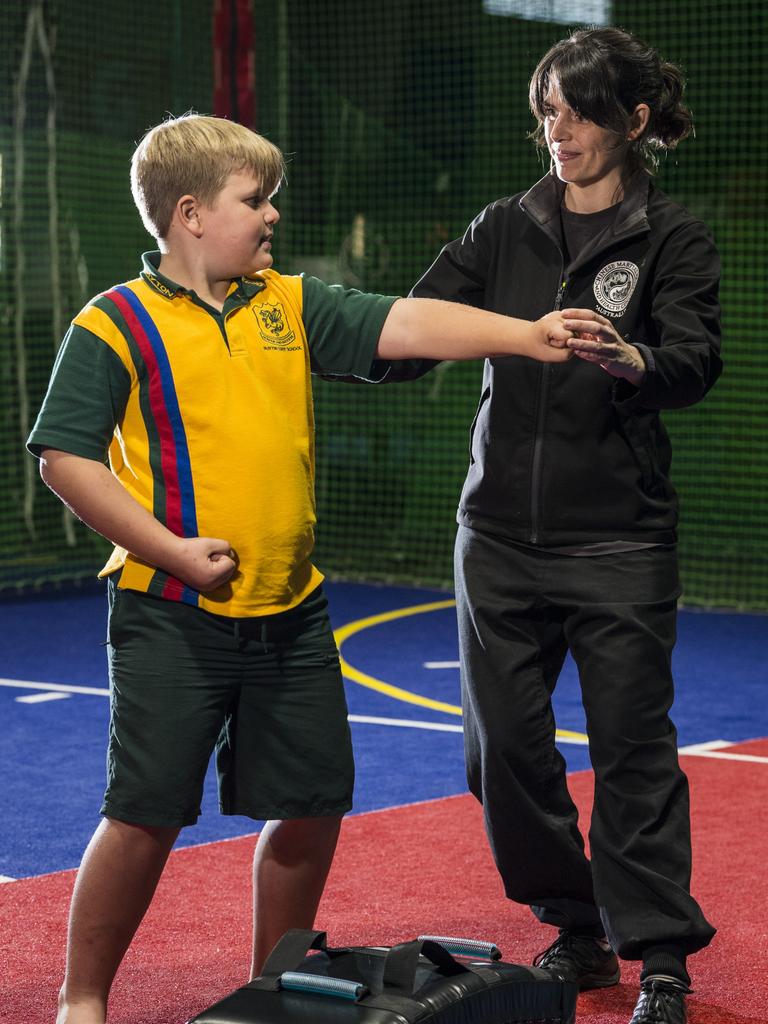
(234, 61)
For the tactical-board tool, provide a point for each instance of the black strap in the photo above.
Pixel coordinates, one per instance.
(287, 954)
(402, 961)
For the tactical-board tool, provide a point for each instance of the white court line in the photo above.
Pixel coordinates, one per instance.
(413, 723)
(403, 723)
(710, 749)
(754, 758)
(38, 698)
(409, 723)
(6, 878)
(442, 664)
(709, 745)
(406, 723)
(23, 684)
(64, 691)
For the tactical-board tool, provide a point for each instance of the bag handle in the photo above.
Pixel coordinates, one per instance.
(287, 954)
(401, 962)
(323, 985)
(473, 948)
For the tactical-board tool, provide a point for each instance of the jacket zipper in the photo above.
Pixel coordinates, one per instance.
(546, 369)
(538, 443)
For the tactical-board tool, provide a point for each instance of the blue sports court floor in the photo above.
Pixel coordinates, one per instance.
(400, 655)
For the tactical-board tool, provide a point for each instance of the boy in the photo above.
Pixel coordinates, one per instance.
(195, 380)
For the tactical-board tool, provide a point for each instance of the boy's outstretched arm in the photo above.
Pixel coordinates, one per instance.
(96, 497)
(433, 329)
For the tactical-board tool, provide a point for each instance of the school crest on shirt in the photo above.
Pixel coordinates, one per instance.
(273, 324)
(614, 286)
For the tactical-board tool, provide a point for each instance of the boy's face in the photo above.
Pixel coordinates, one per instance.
(238, 228)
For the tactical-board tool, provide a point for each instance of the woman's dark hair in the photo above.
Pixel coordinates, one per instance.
(602, 74)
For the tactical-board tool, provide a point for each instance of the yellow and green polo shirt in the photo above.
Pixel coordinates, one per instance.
(206, 417)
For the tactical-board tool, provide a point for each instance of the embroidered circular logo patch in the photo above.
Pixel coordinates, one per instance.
(614, 285)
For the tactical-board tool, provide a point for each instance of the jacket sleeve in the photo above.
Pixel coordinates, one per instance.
(460, 271)
(686, 312)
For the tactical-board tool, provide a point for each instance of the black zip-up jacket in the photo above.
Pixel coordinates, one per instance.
(567, 454)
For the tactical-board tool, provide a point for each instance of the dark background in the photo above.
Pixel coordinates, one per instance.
(400, 122)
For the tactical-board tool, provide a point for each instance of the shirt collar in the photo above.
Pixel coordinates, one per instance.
(150, 263)
(245, 287)
(251, 286)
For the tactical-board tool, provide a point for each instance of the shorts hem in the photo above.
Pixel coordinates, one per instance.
(150, 819)
(285, 814)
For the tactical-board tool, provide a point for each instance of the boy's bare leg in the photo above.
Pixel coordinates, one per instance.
(118, 876)
(290, 866)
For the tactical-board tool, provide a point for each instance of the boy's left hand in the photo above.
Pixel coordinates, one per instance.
(598, 341)
(555, 337)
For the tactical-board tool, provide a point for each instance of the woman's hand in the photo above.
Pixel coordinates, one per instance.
(597, 341)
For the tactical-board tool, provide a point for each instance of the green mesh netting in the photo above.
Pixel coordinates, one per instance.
(401, 121)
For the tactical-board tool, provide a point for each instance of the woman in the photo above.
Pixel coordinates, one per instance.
(567, 521)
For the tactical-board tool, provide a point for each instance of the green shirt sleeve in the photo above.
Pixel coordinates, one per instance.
(86, 398)
(343, 326)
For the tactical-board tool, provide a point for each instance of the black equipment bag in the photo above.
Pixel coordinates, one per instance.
(417, 982)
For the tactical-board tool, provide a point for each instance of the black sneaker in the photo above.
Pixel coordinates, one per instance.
(581, 959)
(662, 1001)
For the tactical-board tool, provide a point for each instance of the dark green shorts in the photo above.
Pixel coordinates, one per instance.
(265, 694)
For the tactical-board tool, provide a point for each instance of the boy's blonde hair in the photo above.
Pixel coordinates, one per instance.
(196, 154)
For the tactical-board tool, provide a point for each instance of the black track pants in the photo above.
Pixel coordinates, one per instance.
(519, 611)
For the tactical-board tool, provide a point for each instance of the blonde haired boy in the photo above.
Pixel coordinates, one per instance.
(178, 424)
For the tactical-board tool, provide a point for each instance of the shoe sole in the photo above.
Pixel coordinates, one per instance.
(599, 981)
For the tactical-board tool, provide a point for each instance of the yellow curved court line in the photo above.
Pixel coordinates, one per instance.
(350, 672)
(396, 692)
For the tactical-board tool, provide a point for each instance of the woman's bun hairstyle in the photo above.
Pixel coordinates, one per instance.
(673, 121)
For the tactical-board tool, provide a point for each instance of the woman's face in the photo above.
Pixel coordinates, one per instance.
(584, 154)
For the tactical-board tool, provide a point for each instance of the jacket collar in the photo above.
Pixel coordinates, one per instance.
(542, 204)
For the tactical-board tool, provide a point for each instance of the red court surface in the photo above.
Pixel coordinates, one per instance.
(422, 868)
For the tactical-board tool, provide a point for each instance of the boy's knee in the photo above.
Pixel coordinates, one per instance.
(298, 838)
(160, 835)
